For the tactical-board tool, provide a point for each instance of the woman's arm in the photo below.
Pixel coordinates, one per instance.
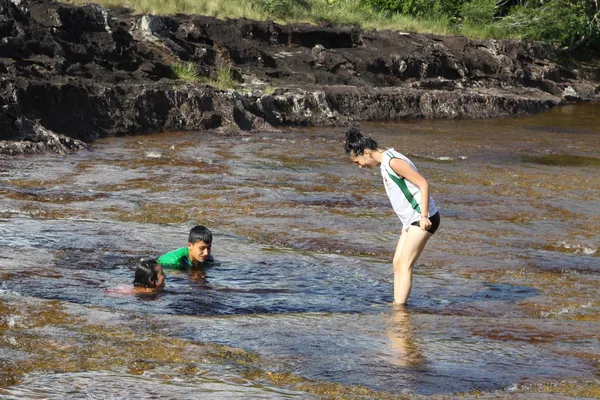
(403, 169)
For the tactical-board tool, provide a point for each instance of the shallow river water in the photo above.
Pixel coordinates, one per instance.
(505, 297)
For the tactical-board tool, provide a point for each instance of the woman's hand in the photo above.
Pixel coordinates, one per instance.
(425, 223)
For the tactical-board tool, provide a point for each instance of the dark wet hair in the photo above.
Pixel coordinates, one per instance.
(356, 143)
(200, 233)
(145, 273)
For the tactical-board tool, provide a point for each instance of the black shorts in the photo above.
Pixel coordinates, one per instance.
(435, 223)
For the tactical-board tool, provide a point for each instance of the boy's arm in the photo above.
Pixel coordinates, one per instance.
(171, 259)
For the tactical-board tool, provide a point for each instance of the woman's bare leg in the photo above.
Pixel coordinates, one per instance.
(409, 248)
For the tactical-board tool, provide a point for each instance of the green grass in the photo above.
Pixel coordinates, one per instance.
(225, 79)
(187, 71)
(489, 31)
(215, 8)
(347, 12)
(350, 12)
(406, 23)
(269, 90)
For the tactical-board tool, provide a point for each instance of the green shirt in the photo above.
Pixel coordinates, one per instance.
(179, 259)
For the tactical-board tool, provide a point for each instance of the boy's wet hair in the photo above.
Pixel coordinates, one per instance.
(145, 273)
(356, 143)
(200, 233)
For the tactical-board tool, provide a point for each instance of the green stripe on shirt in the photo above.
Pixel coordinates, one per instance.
(401, 182)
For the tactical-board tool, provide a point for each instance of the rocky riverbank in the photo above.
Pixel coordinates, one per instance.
(73, 74)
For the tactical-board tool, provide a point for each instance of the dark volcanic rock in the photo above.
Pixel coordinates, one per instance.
(88, 72)
(34, 138)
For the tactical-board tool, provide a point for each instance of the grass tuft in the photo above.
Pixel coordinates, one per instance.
(269, 90)
(185, 71)
(225, 79)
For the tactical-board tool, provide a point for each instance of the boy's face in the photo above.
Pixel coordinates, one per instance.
(199, 251)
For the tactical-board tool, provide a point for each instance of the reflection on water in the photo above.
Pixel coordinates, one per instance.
(299, 303)
(403, 340)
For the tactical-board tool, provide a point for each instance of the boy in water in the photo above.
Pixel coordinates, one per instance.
(195, 254)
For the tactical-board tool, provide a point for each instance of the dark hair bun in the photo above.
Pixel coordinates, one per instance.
(356, 143)
(353, 135)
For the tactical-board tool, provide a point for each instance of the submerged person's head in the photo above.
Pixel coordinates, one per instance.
(199, 243)
(149, 274)
(360, 148)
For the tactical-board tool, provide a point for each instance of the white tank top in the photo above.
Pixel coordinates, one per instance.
(404, 196)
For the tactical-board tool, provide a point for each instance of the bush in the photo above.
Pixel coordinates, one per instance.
(282, 8)
(390, 6)
(419, 8)
(568, 23)
(478, 12)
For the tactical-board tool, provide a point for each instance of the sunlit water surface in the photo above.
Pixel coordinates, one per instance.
(298, 305)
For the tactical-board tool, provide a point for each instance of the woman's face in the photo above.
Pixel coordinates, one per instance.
(364, 161)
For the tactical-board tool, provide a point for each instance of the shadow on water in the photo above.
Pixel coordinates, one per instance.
(561, 160)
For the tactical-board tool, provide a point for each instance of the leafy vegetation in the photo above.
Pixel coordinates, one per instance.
(572, 25)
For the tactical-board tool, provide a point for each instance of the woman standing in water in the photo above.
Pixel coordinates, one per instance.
(409, 194)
